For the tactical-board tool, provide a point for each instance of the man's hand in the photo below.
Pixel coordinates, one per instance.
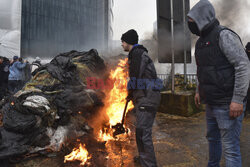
(197, 100)
(236, 110)
(130, 95)
(128, 98)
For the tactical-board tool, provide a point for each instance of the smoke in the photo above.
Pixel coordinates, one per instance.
(235, 15)
(231, 13)
(10, 28)
(150, 42)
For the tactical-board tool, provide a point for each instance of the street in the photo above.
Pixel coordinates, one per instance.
(179, 142)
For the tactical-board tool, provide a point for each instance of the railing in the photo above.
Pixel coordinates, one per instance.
(166, 78)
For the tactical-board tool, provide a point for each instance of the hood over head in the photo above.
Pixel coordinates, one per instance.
(202, 13)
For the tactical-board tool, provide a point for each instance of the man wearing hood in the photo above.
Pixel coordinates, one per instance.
(223, 72)
(145, 98)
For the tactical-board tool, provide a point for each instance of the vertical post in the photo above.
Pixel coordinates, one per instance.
(20, 40)
(172, 46)
(184, 42)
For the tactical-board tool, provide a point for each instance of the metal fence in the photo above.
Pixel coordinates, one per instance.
(166, 78)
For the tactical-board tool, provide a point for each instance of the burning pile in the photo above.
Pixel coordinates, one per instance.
(52, 108)
(57, 107)
(115, 100)
(80, 154)
(113, 108)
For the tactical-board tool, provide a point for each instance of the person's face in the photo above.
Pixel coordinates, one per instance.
(125, 46)
(1, 61)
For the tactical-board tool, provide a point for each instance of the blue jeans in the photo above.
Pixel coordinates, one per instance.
(221, 129)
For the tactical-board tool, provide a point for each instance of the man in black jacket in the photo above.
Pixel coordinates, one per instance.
(145, 98)
(4, 73)
(223, 72)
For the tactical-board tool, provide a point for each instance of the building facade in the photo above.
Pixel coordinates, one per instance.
(50, 27)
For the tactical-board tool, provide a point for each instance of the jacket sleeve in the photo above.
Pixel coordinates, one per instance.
(233, 49)
(20, 65)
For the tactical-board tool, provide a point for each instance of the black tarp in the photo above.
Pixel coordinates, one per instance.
(55, 94)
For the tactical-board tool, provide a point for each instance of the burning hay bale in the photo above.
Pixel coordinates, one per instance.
(53, 106)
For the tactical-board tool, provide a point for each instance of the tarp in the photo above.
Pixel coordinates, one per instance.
(52, 106)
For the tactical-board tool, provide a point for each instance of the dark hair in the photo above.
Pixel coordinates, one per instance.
(15, 58)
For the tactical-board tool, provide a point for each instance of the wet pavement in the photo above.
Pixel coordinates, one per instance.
(179, 142)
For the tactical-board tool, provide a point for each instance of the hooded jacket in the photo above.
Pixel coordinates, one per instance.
(16, 71)
(230, 45)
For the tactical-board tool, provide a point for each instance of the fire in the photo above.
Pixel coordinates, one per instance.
(80, 154)
(104, 136)
(116, 98)
(114, 107)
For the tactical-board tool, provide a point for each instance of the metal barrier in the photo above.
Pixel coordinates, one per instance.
(166, 78)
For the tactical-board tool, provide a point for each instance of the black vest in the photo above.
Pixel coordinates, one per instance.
(215, 74)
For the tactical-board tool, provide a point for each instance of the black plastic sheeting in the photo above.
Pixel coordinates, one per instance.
(25, 127)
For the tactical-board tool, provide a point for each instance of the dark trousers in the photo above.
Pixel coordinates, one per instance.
(14, 86)
(3, 89)
(144, 122)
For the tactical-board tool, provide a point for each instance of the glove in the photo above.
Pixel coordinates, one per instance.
(130, 95)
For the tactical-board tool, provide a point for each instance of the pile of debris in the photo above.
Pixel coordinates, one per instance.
(53, 107)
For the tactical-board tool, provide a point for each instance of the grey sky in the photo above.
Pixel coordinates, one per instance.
(137, 14)
(141, 14)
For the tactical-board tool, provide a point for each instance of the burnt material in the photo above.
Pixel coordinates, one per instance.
(53, 106)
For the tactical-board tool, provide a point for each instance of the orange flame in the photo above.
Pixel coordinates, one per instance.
(114, 101)
(116, 98)
(80, 154)
(104, 136)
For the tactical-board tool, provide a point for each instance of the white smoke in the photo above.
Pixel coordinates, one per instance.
(10, 28)
(234, 14)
